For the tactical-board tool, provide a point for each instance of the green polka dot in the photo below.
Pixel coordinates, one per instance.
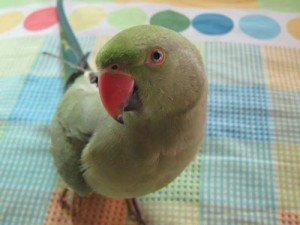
(279, 5)
(125, 18)
(4, 3)
(170, 19)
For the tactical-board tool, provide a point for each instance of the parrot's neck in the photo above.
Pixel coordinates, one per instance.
(169, 135)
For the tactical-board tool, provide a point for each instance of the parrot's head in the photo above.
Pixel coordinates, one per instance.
(149, 72)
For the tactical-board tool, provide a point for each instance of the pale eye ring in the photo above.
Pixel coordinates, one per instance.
(156, 56)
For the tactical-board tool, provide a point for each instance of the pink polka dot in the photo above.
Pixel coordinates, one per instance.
(41, 19)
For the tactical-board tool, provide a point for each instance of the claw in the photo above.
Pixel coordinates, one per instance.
(75, 205)
(135, 211)
(62, 199)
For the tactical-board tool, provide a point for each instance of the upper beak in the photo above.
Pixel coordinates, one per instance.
(118, 92)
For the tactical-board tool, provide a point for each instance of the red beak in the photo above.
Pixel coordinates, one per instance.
(115, 88)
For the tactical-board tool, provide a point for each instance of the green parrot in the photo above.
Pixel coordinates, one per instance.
(130, 128)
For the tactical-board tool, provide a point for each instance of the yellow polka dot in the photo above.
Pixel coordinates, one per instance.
(293, 28)
(10, 20)
(86, 17)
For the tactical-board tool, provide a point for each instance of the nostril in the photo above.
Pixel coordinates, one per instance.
(114, 67)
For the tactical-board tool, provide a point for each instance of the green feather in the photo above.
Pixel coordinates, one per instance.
(94, 153)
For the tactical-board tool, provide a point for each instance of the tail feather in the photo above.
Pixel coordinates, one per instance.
(70, 48)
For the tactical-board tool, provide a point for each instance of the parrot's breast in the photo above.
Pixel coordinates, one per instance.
(127, 178)
(127, 167)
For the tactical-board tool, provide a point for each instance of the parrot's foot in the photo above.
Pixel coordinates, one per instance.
(74, 206)
(135, 211)
(62, 199)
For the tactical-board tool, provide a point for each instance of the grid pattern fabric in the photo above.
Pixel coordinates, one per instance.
(248, 168)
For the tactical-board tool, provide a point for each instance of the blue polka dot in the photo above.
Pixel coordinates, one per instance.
(212, 24)
(259, 26)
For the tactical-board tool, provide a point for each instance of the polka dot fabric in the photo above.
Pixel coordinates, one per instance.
(267, 24)
(248, 168)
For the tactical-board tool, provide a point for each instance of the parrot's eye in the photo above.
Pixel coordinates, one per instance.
(156, 56)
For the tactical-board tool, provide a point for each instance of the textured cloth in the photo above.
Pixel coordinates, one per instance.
(248, 171)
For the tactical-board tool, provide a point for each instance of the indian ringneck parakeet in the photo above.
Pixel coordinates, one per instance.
(135, 131)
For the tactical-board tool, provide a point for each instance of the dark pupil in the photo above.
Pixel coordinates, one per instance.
(156, 56)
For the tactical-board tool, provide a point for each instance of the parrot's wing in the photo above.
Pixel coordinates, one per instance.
(75, 121)
(67, 152)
